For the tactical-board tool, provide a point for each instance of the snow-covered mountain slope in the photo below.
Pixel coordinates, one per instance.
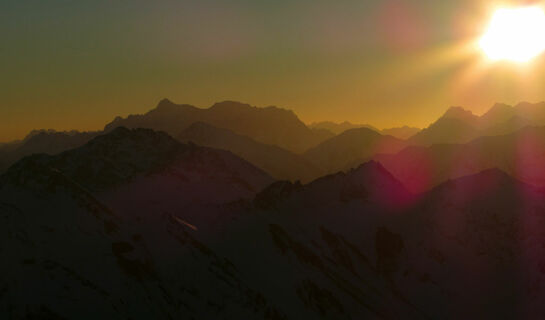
(470, 248)
(142, 243)
(88, 233)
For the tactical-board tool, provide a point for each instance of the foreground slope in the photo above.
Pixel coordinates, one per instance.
(137, 225)
(470, 248)
(93, 232)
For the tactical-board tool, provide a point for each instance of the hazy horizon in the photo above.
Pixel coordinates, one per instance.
(77, 65)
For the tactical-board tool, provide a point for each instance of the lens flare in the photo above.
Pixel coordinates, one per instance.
(516, 34)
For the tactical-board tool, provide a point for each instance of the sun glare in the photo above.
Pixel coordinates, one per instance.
(515, 34)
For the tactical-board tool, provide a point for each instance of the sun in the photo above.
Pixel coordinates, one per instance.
(515, 34)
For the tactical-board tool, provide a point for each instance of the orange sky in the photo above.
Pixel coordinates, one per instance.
(78, 65)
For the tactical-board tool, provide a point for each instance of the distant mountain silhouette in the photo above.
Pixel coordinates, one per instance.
(42, 141)
(351, 148)
(269, 125)
(338, 128)
(455, 126)
(279, 163)
(403, 132)
(458, 125)
(520, 154)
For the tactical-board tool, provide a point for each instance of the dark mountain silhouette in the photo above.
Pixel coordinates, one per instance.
(520, 154)
(141, 251)
(42, 141)
(279, 163)
(429, 249)
(97, 226)
(269, 125)
(124, 154)
(349, 245)
(133, 223)
(351, 148)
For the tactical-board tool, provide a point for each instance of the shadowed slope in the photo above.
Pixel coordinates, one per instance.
(96, 226)
(279, 163)
(482, 232)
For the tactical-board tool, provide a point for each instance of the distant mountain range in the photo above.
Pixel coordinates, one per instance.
(269, 125)
(276, 141)
(458, 125)
(138, 225)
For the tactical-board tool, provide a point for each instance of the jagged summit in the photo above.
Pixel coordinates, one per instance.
(228, 105)
(369, 182)
(165, 102)
(461, 114)
(269, 125)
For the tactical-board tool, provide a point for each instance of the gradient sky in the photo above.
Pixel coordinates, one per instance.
(78, 64)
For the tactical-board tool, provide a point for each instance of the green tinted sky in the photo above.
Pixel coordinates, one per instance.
(78, 64)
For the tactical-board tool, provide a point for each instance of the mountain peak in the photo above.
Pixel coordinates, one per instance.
(166, 105)
(499, 113)
(230, 105)
(460, 113)
(165, 101)
(498, 106)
